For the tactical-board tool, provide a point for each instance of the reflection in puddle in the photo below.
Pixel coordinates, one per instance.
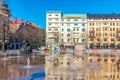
(12, 69)
(59, 67)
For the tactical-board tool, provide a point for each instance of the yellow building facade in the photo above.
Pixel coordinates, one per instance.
(103, 30)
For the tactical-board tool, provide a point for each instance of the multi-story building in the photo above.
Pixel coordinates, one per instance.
(21, 30)
(97, 30)
(15, 25)
(4, 24)
(103, 30)
(66, 29)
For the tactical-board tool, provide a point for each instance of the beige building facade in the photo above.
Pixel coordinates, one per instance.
(66, 29)
(103, 30)
(92, 30)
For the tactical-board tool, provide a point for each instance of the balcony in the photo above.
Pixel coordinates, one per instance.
(118, 31)
(53, 31)
(53, 26)
(117, 36)
(76, 36)
(91, 36)
(91, 31)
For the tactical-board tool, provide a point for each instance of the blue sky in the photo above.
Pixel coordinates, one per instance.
(35, 10)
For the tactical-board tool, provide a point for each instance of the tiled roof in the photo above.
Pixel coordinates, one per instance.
(21, 21)
(17, 21)
(104, 16)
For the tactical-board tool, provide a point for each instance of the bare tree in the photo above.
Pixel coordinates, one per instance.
(4, 22)
(33, 35)
(4, 31)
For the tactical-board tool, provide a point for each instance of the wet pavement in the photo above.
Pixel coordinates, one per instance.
(56, 66)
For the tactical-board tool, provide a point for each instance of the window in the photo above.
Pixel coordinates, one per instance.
(113, 29)
(62, 19)
(118, 29)
(105, 34)
(49, 29)
(61, 62)
(75, 19)
(74, 29)
(113, 24)
(105, 28)
(117, 24)
(49, 24)
(99, 24)
(110, 29)
(96, 24)
(105, 39)
(112, 39)
(56, 29)
(96, 34)
(83, 24)
(62, 29)
(56, 19)
(104, 23)
(49, 15)
(110, 34)
(56, 15)
(73, 40)
(110, 24)
(90, 24)
(83, 20)
(68, 40)
(96, 29)
(98, 39)
(91, 39)
(77, 29)
(68, 30)
(75, 24)
(68, 35)
(77, 40)
(118, 39)
(99, 34)
(68, 20)
(83, 29)
(62, 24)
(83, 40)
(113, 34)
(62, 40)
(62, 35)
(68, 63)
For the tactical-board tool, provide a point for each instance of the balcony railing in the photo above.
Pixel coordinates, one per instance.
(91, 31)
(118, 31)
(117, 36)
(91, 36)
